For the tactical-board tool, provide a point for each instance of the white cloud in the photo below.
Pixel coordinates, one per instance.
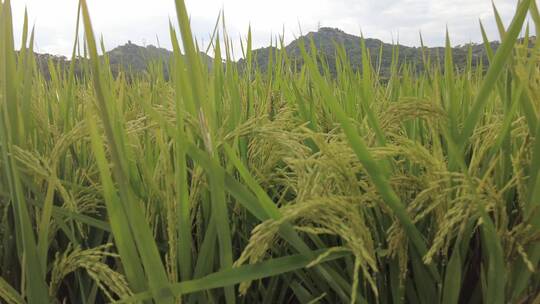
(142, 20)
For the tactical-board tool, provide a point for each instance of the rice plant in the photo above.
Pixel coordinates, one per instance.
(288, 185)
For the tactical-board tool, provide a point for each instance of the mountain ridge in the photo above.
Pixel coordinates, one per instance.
(133, 58)
(325, 40)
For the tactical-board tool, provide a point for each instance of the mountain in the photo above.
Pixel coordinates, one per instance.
(131, 58)
(135, 59)
(326, 39)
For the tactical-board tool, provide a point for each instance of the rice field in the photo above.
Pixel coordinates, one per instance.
(292, 185)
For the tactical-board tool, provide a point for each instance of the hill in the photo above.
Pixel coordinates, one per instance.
(130, 57)
(326, 39)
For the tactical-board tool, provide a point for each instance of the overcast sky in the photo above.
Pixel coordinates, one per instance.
(141, 21)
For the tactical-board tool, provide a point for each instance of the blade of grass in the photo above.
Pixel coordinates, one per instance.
(232, 276)
(142, 236)
(36, 288)
(495, 70)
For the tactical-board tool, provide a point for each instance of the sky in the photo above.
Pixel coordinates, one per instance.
(146, 21)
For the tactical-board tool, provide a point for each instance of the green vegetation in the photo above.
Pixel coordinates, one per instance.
(290, 184)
